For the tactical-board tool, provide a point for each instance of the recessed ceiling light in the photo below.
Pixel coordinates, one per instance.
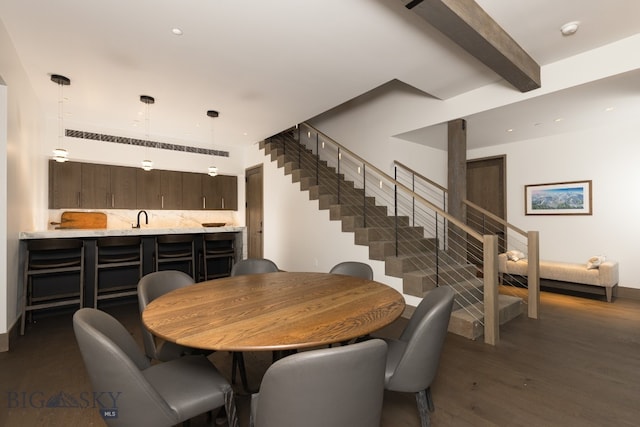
(509, 130)
(570, 28)
(559, 119)
(609, 109)
(176, 31)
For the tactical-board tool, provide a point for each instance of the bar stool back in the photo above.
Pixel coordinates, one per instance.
(218, 255)
(119, 258)
(175, 250)
(52, 257)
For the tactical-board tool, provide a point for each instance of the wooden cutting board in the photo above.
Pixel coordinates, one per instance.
(81, 220)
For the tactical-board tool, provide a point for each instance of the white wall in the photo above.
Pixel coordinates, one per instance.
(25, 170)
(608, 156)
(3, 202)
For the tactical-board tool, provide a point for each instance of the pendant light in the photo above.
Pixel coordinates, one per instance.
(212, 170)
(147, 165)
(60, 154)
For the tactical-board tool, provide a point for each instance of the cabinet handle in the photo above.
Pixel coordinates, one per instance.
(204, 202)
(223, 203)
(162, 202)
(78, 199)
(113, 198)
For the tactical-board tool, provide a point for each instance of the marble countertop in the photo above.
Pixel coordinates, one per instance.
(68, 233)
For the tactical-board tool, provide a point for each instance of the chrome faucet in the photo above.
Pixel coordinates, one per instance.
(146, 219)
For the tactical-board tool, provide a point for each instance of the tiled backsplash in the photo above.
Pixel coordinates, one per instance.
(124, 218)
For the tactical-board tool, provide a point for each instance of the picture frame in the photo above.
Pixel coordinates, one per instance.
(558, 198)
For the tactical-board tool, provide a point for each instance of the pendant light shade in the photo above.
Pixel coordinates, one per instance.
(60, 154)
(212, 170)
(147, 165)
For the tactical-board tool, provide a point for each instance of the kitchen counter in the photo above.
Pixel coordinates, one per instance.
(144, 231)
(148, 237)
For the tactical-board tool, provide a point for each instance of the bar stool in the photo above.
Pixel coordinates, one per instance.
(48, 259)
(218, 251)
(175, 250)
(117, 257)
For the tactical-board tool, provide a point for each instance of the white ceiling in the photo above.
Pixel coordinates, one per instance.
(266, 65)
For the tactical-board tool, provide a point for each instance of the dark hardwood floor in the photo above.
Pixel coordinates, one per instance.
(578, 365)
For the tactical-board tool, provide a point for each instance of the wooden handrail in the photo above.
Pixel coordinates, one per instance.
(422, 177)
(464, 227)
(494, 217)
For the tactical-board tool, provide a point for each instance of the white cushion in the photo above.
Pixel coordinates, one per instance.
(595, 262)
(514, 255)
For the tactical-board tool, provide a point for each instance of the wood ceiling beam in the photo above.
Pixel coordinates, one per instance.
(469, 26)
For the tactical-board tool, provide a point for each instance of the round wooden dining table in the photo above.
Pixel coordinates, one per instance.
(273, 311)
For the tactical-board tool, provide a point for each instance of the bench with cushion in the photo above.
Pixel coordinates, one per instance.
(597, 273)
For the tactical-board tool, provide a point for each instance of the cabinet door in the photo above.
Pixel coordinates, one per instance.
(96, 189)
(192, 197)
(211, 199)
(148, 189)
(65, 180)
(123, 188)
(171, 186)
(221, 192)
(228, 188)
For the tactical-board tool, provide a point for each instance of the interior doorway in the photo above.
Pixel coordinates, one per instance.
(254, 211)
(486, 187)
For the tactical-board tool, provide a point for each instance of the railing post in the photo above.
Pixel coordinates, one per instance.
(364, 197)
(413, 199)
(395, 205)
(317, 159)
(299, 148)
(338, 175)
(533, 272)
(491, 307)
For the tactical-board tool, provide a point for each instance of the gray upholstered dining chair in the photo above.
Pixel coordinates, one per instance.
(164, 394)
(353, 268)
(150, 287)
(413, 359)
(253, 266)
(337, 387)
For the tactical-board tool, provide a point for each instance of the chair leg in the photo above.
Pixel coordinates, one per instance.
(430, 400)
(230, 407)
(423, 407)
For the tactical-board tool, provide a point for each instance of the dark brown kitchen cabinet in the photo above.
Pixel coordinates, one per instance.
(65, 184)
(74, 185)
(192, 197)
(220, 192)
(148, 189)
(171, 190)
(123, 188)
(95, 186)
(158, 189)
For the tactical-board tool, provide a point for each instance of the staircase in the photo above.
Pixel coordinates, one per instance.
(409, 250)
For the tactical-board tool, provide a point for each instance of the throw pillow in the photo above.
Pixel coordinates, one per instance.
(595, 262)
(515, 255)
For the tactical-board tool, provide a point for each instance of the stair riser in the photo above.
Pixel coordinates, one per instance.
(419, 286)
(337, 211)
(381, 250)
(461, 323)
(367, 235)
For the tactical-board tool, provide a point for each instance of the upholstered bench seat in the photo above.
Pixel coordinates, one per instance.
(606, 275)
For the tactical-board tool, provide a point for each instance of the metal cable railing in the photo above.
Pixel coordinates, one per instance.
(510, 237)
(419, 241)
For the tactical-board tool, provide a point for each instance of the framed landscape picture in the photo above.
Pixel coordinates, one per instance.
(560, 198)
